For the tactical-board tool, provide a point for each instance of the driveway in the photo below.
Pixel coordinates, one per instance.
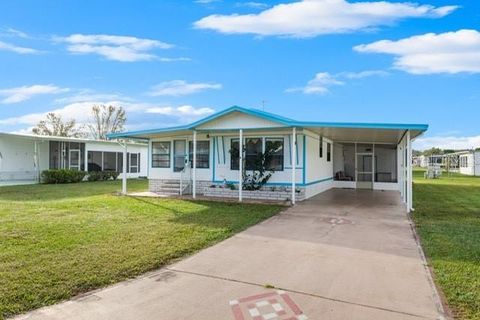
(344, 254)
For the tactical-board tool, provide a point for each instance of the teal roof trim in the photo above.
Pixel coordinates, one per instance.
(275, 118)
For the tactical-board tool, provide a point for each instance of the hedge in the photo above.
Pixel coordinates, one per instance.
(55, 176)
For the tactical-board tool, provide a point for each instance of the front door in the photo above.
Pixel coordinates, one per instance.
(74, 159)
(364, 170)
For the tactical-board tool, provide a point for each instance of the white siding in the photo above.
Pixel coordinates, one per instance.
(319, 171)
(238, 120)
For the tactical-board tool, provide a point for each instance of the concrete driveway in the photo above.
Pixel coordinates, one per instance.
(344, 254)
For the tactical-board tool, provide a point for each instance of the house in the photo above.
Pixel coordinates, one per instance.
(469, 163)
(24, 156)
(309, 157)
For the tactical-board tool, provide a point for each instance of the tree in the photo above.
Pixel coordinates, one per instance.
(432, 151)
(54, 125)
(106, 119)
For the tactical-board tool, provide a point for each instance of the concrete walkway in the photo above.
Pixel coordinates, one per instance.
(344, 254)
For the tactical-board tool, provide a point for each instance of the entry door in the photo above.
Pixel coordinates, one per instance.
(74, 159)
(364, 170)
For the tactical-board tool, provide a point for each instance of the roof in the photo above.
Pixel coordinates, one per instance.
(58, 138)
(282, 121)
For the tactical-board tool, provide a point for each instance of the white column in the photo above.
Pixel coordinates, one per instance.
(294, 161)
(409, 173)
(240, 165)
(85, 158)
(35, 161)
(124, 169)
(194, 171)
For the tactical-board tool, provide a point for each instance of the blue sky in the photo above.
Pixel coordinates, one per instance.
(171, 62)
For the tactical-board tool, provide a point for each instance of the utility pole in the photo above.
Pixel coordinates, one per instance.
(263, 104)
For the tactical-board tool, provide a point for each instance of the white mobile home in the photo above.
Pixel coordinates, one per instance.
(24, 156)
(469, 163)
(310, 157)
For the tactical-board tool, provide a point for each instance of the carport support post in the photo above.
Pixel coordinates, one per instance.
(36, 162)
(194, 170)
(124, 169)
(409, 173)
(240, 164)
(294, 161)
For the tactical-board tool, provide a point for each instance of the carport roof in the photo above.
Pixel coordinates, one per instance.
(337, 131)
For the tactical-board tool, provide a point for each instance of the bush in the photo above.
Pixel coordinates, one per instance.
(102, 175)
(55, 176)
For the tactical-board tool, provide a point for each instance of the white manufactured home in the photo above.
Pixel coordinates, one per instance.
(208, 157)
(24, 156)
(469, 163)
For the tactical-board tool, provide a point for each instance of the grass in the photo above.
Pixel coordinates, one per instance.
(447, 215)
(57, 241)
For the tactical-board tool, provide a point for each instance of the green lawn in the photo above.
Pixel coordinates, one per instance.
(60, 240)
(447, 215)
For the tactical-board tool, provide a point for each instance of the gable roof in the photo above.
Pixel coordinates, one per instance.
(283, 121)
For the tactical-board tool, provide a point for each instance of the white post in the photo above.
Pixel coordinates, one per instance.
(409, 173)
(294, 161)
(124, 169)
(194, 171)
(240, 165)
(35, 160)
(85, 158)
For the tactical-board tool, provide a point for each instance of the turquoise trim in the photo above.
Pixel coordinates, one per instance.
(292, 168)
(213, 164)
(223, 148)
(218, 151)
(304, 170)
(318, 181)
(284, 122)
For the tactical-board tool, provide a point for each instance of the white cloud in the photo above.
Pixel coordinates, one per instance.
(318, 85)
(252, 4)
(183, 111)
(450, 52)
(117, 48)
(310, 18)
(364, 74)
(81, 112)
(17, 49)
(181, 88)
(19, 94)
(322, 81)
(447, 142)
(11, 32)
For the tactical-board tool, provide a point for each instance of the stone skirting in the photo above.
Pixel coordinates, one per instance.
(205, 188)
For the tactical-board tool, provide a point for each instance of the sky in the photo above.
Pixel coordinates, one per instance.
(171, 62)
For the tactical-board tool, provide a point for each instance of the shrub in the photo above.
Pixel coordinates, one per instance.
(94, 175)
(55, 176)
(102, 175)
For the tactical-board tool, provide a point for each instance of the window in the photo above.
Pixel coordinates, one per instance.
(109, 161)
(134, 162)
(161, 154)
(179, 154)
(464, 162)
(320, 139)
(276, 146)
(253, 148)
(329, 152)
(203, 154)
(234, 154)
(94, 161)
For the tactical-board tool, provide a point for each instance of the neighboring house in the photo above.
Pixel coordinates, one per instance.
(310, 156)
(469, 163)
(24, 156)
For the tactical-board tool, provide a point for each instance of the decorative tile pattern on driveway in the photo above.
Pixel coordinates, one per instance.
(276, 305)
